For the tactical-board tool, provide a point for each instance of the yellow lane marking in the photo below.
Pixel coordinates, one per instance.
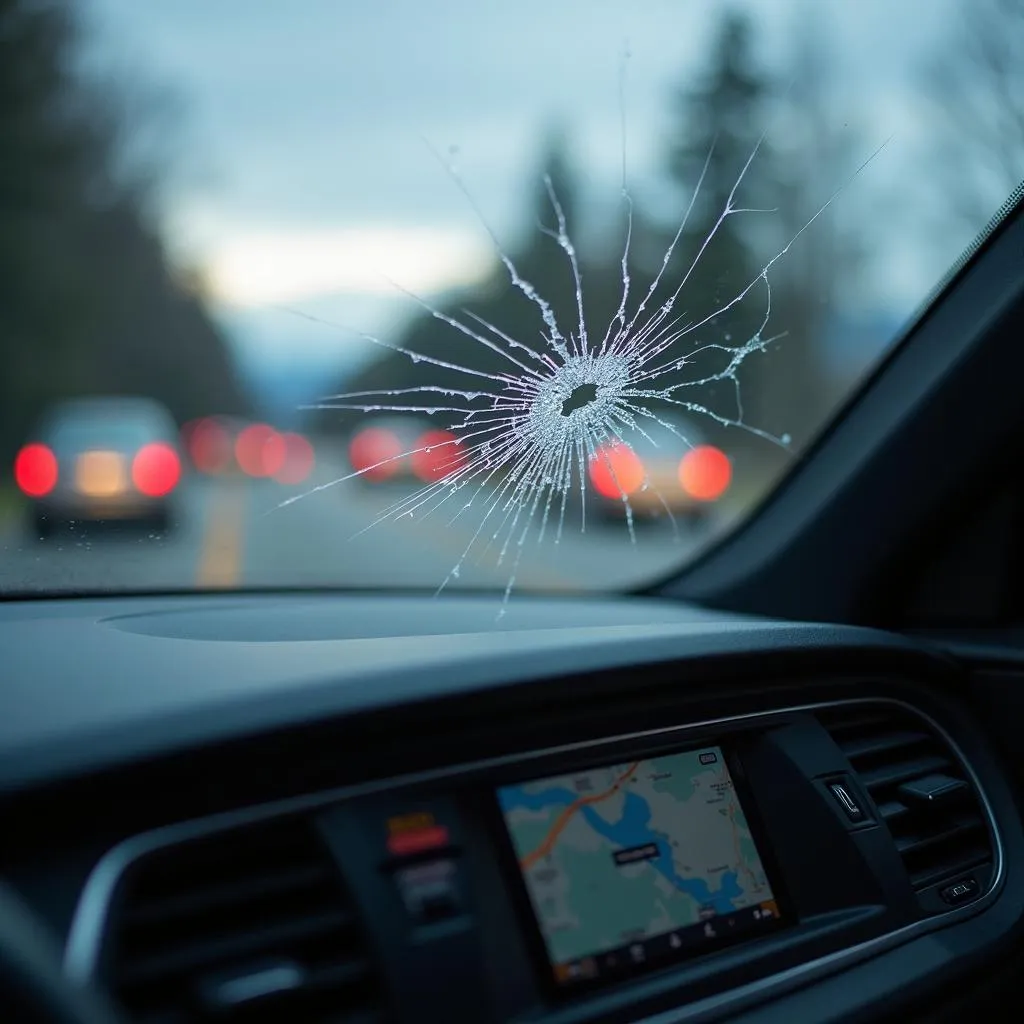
(220, 557)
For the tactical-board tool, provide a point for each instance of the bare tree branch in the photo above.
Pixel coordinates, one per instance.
(976, 88)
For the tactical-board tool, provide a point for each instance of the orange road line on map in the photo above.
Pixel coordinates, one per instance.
(563, 819)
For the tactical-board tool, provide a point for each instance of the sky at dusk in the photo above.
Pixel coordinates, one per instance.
(304, 137)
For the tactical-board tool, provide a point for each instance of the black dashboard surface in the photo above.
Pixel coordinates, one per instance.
(94, 682)
(139, 728)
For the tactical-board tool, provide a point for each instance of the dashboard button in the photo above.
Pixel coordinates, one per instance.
(429, 891)
(960, 892)
(847, 801)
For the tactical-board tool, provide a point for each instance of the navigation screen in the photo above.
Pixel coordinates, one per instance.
(637, 862)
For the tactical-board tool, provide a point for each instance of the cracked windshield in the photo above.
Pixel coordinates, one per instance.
(533, 296)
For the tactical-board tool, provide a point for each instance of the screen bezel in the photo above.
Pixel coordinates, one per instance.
(523, 903)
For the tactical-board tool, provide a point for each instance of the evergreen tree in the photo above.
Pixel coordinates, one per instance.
(89, 303)
(822, 268)
(721, 116)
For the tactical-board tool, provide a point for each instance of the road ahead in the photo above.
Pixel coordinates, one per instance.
(232, 534)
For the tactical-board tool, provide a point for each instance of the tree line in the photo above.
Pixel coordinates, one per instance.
(90, 303)
(724, 109)
(720, 115)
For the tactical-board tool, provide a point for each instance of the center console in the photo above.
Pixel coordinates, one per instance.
(677, 871)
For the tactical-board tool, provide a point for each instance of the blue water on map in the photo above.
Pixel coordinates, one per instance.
(632, 829)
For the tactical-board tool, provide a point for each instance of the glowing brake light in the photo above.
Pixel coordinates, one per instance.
(35, 470)
(156, 470)
(375, 453)
(616, 470)
(298, 462)
(259, 450)
(436, 455)
(705, 473)
(209, 446)
(273, 454)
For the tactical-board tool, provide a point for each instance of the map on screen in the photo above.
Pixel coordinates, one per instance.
(616, 855)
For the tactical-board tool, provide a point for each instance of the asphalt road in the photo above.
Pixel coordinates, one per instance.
(232, 534)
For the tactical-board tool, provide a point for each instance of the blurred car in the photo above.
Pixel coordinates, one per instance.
(209, 443)
(227, 446)
(668, 468)
(408, 450)
(100, 459)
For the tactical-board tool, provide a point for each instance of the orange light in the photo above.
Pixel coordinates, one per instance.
(209, 446)
(298, 460)
(375, 453)
(156, 470)
(616, 470)
(258, 450)
(35, 470)
(101, 474)
(705, 473)
(437, 454)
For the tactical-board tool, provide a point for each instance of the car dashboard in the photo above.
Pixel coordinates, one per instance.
(383, 808)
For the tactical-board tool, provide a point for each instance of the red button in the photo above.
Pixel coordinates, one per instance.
(402, 844)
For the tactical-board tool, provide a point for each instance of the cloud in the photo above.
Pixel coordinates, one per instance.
(262, 267)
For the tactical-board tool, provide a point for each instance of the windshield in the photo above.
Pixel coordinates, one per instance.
(532, 296)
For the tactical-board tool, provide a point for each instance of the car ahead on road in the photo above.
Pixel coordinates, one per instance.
(101, 459)
(409, 450)
(663, 468)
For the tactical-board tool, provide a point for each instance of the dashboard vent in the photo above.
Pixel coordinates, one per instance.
(242, 927)
(919, 787)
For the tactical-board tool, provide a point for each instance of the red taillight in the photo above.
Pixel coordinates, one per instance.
(437, 455)
(616, 470)
(298, 460)
(705, 473)
(273, 454)
(259, 450)
(156, 470)
(35, 470)
(209, 446)
(375, 453)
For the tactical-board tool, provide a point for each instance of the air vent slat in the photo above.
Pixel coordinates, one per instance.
(914, 843)
(892, 810)
(904, 771)
(880, 744)
(939, 831)
(240, 927)
(218, 896)
(971, 858)
(213, 951)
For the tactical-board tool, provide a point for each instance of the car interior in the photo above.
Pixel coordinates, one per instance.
(327, 806)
